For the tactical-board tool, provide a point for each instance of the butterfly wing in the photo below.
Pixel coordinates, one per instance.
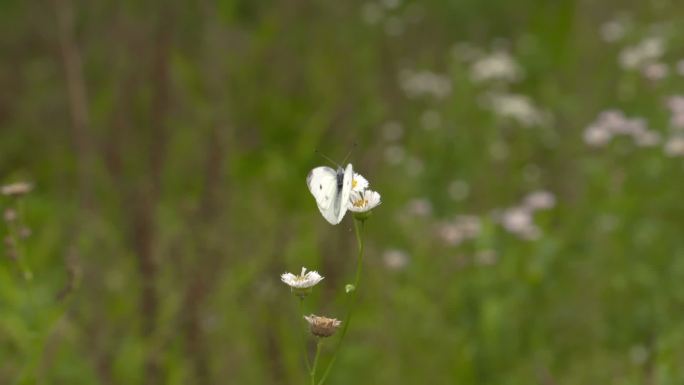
(342, 203)
(322, 182)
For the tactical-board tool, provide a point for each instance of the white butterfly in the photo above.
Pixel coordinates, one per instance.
(332, 190)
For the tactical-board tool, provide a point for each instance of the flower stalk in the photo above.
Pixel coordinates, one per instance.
(358, 229)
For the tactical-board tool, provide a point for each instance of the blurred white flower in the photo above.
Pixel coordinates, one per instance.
(516, 107)
(612, 31)
(430, 120)
(674, 146)
(597, 136)
(465, 51)
(414, 166)
(516, 219)
(638, 354)
(390, 4)
(371, 13)
(486, 257)
(392, 131)
(540, 200)
(395, 259)
(394, 26)
(470, 225)
(364, 201)
(394, 154)
(531, 173)
(303, 280)
(498, 150)
(450, 233)
(612, 122)
(676, 106)
(680, 67)
(458, 190)
(16, 189)
(647, 138)
(359, 183)
(462, 228)
(419, 207)
(655, 71)
(424, 83)
(646, 51)
(497, 66)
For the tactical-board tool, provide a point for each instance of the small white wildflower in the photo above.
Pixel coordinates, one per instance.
(498, 150)
(486, 257)
(540, 200)
(16, 189)
(675, 104)
(301, 284)
(674, 146)
(322, 326)
(470, 225)
(424, 83)
(395, 259)
(516, 107)
(496, 66)
(612, 31)
(359, 183)
(430, 120)
(390, 4)
(680, 68)
(646, 51)
(371, 13)
(414, 166)
(419, 207)
(655, 71)
(394, 26)
(638, 354)
(517, 220)
(392, 131)
(597, 136)
(647, 138)
(451, 233)
(394, 154)
(458, 190)
(363, 201)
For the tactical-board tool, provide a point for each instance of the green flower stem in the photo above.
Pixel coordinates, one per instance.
(306, 351)
(312, 373)
(358, 228)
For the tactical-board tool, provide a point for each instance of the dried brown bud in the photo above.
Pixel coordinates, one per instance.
(10, 215)
(25, 232)
(322, 326)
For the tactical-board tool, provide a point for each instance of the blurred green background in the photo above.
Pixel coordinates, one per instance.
(528, 153)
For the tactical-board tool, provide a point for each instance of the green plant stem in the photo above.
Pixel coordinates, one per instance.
(312, 373)
(358, 228)
(304, 345)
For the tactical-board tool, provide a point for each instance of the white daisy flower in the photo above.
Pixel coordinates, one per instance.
(363, 201)
(16, 189)
(301, 284)
(359, 183)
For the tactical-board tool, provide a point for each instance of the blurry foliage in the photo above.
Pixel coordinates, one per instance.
(169, 199)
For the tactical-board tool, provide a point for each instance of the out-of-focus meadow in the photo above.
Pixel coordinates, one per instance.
(529, 155)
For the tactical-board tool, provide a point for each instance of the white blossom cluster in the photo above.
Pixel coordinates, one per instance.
(612, 123)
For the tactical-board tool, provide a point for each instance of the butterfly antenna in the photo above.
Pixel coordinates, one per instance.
(326, 158)
(349, 153)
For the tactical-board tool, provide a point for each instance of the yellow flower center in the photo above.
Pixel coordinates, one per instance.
(354, 183)
(360, 203)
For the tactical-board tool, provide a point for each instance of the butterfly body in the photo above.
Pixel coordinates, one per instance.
(331, 189)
